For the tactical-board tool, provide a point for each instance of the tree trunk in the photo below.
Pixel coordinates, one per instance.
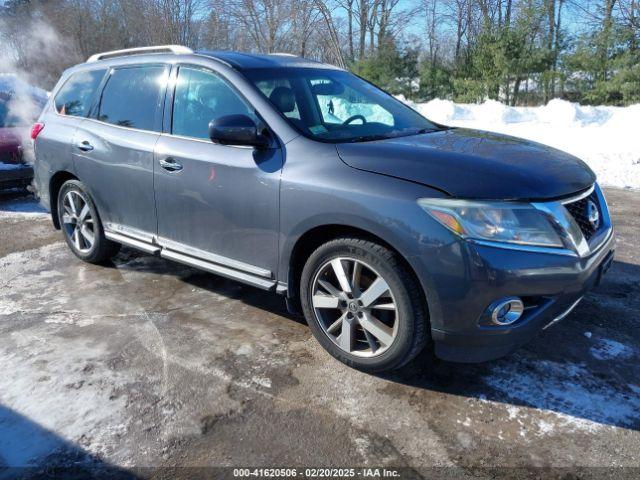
(363, 15)
(605, 43)
(516, 91)
(350, 28)
(551, 19)
(556, 49)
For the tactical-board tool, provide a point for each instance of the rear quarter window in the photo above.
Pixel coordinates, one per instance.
(75, 96)
(131, 97)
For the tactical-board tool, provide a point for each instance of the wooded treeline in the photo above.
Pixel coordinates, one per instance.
(516, 51)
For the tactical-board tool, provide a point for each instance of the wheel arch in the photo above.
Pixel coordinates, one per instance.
(55, 184)
(316, 236)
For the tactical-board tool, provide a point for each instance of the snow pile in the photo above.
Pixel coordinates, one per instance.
(606, 138)
(337, 110)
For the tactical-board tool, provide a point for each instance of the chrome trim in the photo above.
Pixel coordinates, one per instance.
(569, 228)
(563, 314)
(607, 237)
(132, 242)
(175, 49)
(202, 140)
(517, 309)
(131, 129)
(565, 225)
(224, 266)
(525, 248)
(181, 248)
(602, 236)
(579, 196)
(575, 243)
(134, 233)
(218, 269)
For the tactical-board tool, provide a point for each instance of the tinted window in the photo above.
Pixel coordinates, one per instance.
(74, 98)
(131, 97)
(337, 106)
(277, 90)
(200, 97)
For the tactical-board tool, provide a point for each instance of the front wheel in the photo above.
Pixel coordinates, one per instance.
(363, 305)
(81, 225)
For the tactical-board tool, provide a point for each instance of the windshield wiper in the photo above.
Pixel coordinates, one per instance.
(368, 138)
(397, 134)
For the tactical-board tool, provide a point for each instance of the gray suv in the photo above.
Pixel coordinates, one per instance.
(390, 232)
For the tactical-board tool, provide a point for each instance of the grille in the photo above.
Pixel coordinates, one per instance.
(578, 211)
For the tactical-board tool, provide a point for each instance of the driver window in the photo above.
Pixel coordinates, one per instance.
(339, 103)
(202, 96)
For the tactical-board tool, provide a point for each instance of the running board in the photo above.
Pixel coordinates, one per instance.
(218, 269)
(206, 264)
(132, 242)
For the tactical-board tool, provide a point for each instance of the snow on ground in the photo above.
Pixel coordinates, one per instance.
(606, 138)
(570, 393)
(21, 206)
(608, 349)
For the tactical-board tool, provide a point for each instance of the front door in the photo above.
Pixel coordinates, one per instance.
(215, 202)
(114, 151)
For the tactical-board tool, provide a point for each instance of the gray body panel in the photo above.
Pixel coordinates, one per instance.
(241, 212)
(231, 195)
(53, 152)
(118, 173)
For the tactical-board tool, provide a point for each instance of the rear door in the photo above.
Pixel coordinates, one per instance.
(216, 202)
(114, 150)
(68, 110)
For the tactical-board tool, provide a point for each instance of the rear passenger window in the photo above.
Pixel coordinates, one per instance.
(131, 97)
(74, 98)
(200, 97)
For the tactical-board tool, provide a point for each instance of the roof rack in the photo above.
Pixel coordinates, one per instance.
(283, 54)
(177, 49)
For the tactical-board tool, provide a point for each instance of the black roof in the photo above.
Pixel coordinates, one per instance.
(246, 61)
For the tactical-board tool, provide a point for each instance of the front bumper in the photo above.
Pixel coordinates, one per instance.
(551, 285)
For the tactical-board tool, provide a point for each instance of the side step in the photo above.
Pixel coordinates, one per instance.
(132, 242)
(192, 261)
(218, 269)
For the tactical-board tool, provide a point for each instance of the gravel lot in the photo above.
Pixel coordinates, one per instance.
(146, 363)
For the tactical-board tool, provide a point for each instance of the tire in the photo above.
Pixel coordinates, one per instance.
(396, 321)
(78, 239)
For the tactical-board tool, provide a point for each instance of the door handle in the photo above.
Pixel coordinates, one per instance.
(85, 146)
(170, 164)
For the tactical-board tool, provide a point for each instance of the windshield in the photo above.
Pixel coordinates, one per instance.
(337, 106)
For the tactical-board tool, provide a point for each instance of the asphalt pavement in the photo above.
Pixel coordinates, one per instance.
(144, 365)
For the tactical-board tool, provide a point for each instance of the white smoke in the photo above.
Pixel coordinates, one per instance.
(31, 53)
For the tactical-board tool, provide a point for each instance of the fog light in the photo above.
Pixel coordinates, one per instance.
(507, 311)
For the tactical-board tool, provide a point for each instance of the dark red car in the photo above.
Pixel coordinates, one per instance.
(20, 105)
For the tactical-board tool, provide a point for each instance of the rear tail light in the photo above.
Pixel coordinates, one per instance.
(36, 129)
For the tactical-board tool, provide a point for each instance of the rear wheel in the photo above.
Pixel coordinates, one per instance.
(81, 224)
(363, 305)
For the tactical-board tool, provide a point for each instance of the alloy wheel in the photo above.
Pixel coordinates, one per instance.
(355, 306)
(78, 222)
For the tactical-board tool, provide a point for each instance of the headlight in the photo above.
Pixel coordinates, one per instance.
(508, 222)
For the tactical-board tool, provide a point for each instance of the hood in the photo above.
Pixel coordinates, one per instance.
(473, 164)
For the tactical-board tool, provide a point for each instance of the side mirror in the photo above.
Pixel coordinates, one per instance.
(237, 130)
